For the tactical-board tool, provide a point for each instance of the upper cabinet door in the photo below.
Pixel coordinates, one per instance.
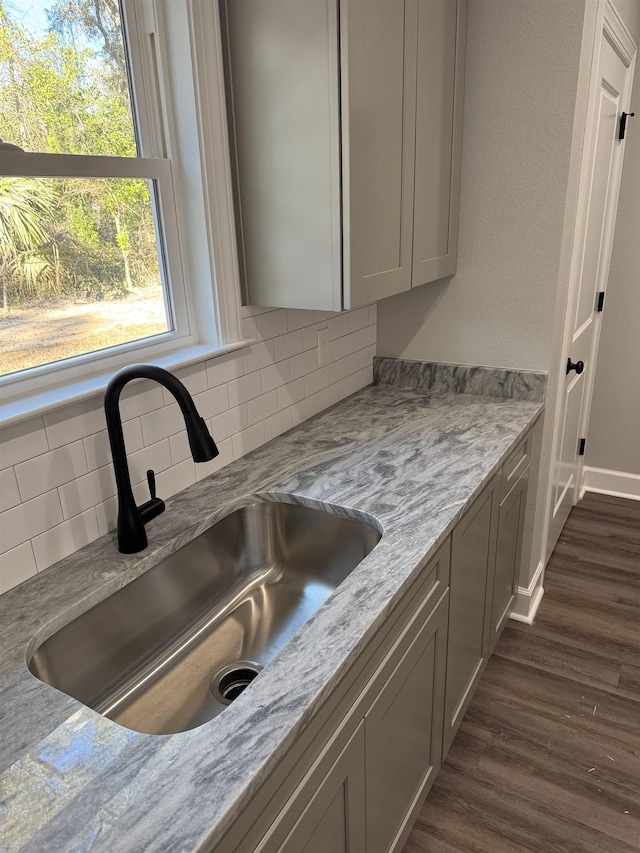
(378, 83)
(283, 96)
(441, 31)
(322, 98)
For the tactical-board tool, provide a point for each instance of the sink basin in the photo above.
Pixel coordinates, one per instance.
(173, 648)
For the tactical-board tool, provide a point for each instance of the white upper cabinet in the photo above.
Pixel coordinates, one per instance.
(345, 123)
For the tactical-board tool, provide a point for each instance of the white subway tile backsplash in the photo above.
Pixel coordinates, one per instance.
(288, 345)
(304, 363)
(249, 328)
(64, 539)
(179, 447)
(272, 324)
(298, 317)
(204, 469)
(338, 326)
(224, 368)
(373, 313)
(176, 478)
(58, 487)
(43, 473)
(9, 492)
(278, 423)
(350, 343)
(255, 310)
(194, 379)
(212, 402)
(107, 515)
(305, 409)
(22, 441)
(339, 369)
(291, 393)
(29, 519)
(16, 566)
(98, 450)
(275, 376)
(87, 491)
(156, 426)
(368, 336)
(310, 336)
(139, 398)
(358, 319)
(262, 407)
(358, 360)
(328, 396)
(247, 440)
(74, 422)
(258, 355)
(156, 457)
(316, 381)
(245, 388)
(226, 424)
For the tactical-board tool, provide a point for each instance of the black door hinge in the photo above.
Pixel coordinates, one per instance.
(623, 124)
(581, 446)
(600, 302)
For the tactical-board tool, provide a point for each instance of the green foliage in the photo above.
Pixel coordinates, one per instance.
(67, 92)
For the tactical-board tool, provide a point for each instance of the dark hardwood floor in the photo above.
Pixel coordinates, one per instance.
(547, 758)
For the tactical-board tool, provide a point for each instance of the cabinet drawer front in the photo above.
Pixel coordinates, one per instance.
(515, 465)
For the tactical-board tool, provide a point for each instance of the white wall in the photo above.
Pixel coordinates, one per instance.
(525, 105)
(520, 94)
(614, 428)
(57, 489)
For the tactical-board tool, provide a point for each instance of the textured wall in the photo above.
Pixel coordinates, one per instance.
(57, 488)
(522, 65)
(614, 427)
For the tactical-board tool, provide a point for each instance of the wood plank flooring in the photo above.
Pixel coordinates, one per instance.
(547, 758)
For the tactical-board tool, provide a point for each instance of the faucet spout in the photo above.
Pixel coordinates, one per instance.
(132, 536)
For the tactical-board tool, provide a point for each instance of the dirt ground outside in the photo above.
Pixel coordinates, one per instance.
(52, 330)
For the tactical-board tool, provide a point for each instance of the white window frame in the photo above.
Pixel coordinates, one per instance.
(181, 124)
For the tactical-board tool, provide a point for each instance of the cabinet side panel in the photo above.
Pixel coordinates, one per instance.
(282, 63)
(378, 90)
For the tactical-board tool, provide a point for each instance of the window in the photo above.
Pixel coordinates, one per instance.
(96, 236)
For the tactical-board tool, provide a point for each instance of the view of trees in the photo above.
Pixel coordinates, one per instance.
(65, 91)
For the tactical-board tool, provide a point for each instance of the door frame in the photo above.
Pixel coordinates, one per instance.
(609, 24)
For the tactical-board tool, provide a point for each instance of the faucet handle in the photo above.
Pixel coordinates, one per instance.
(152, 507)
(151, 480)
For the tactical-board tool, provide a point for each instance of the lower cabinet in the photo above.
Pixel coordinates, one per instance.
(366, 787)
(473, 549)
(403, 733)
(334, 817)
(358, 782)
(508, 555)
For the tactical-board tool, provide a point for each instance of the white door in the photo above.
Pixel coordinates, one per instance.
(614, 61)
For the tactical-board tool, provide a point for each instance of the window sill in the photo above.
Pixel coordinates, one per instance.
(13, 410)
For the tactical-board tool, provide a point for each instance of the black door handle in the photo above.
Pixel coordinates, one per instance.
(578, 366)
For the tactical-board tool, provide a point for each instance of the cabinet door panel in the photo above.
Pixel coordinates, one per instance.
(508, 555)
(378, 109)
(440, 79)
(472, 566)
(283, 89)
(327, 811)
(403, 734)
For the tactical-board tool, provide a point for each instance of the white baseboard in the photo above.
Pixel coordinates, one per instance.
(528, 598)
(606, 482)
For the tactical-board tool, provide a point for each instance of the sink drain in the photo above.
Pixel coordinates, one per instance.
(231, 680)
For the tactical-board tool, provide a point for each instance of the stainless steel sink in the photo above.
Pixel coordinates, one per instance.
(172, 649)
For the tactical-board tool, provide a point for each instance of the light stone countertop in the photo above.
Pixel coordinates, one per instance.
(72, 780)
